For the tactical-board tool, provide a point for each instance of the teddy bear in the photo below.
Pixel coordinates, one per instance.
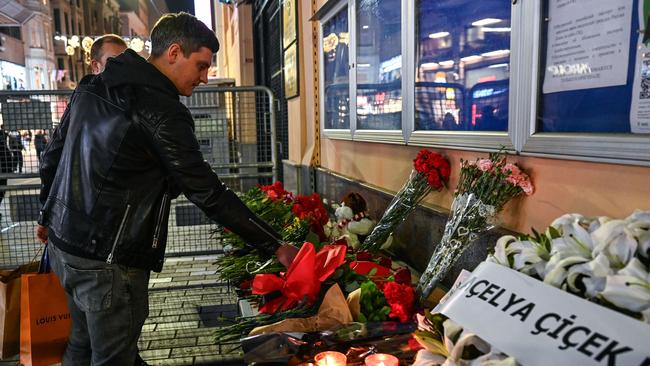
(352, 221)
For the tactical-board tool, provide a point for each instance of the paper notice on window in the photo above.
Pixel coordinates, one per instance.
(587, 45)
(640, 108)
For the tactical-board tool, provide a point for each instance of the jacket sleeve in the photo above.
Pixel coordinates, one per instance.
(52, 154)
(178, 149)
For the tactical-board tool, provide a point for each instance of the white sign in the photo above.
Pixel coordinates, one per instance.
(587, 45)
(640, 108)
(541, 325)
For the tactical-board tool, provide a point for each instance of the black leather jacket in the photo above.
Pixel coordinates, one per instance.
(123, 150)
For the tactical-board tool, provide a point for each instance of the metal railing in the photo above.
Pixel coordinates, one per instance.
(235, 128)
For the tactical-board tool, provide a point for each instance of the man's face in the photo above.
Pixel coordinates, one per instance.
(108, 50)
(188, 72)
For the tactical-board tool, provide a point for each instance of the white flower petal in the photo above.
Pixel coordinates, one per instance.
(426, 358)
(592, 274)
(568, 247)
(627, 292)
(500, 249)
(638, 215)
(468, 339)
(644, 245)
(636, 269)
(556, 271)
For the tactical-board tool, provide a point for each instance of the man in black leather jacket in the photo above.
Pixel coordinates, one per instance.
(123, 150)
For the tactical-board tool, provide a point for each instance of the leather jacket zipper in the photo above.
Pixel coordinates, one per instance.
(109, 260)
(160, 220)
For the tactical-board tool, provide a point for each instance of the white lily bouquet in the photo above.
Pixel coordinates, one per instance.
(601, 259)
(484, 187)
(446, 343)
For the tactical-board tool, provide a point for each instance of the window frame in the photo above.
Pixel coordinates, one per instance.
(334, 133)
(524, 96)
(629, 148)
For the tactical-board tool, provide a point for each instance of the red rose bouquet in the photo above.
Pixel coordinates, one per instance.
(430, 172)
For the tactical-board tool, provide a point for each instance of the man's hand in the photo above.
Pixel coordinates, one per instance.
(286, 253)
(41, 233)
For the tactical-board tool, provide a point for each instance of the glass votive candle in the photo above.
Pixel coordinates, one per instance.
(330, 358)
(381, 359)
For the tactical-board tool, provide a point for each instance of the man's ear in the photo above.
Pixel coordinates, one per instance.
(94, 66)
(174, 51)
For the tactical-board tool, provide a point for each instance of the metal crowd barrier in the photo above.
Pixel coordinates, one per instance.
(235, 127)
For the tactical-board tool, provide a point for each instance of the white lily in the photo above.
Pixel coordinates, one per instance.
(529, 257)
(641, 231)
(467, 339)
(644, 245)
(566, 247)
(597, 222)
(630, 288)
(638, 215)
(426, 358)
(555, 271)
(574, 226)
(500, 256)
(592, 275)
(617, 242)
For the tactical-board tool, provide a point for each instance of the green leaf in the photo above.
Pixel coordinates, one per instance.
(312, 238)
(553, 232)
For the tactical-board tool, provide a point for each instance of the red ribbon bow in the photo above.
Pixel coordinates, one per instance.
(303, 278)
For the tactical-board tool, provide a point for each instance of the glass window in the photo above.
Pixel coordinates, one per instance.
(379, 64)
(57, 21)
(595, 75)
(462, 65)
(336, 81)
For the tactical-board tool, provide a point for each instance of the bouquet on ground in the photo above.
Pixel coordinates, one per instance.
(484, 187)
(296, 219)
(601, 259)
(311, 295)
(430, 172)
(444, 342)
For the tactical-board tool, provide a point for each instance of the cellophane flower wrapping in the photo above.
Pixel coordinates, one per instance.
(484, 187)
(430, 172)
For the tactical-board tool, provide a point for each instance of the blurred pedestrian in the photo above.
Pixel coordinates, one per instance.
(40, 141)
(16, 147)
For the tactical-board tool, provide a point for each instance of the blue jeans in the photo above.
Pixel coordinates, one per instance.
(108, 306)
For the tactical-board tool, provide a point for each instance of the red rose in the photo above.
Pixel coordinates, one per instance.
(403, 276)
(364, 255)
(386, 262)
(245, 285)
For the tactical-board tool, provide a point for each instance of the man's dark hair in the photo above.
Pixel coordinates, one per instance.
(184, 29)
(96, 49)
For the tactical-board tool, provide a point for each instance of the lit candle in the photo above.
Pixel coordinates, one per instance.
(330, 358)
(381, 359)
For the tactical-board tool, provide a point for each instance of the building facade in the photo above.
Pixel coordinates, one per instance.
(134, 18)
(377, 81)
(79, 18)
(26, 47)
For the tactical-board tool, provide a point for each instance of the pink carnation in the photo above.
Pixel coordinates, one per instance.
(485, 165)
(527, 187)
(512, 168)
